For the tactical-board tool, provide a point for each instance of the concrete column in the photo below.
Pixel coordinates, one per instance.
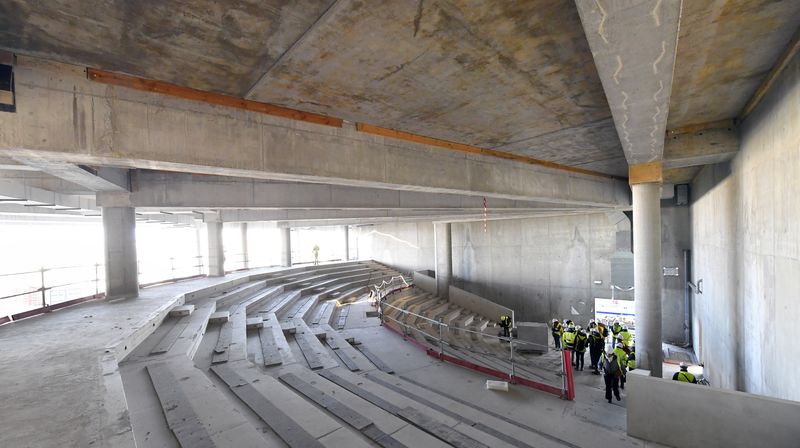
(443, 253)
(647, 276)
(346, 243)
(216, 251)
(122, 273)
(286, 246)
(245, 255)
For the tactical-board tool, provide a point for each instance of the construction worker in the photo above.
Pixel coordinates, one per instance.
(596, 345)
(315, 250)
(612, 372)
(616, 329)
(631, 360)
(619, 351)
(581, 341)
(627, 337)
(592, 326)
(603, 330)
(684, 375)
(568, 340)
(557, 329)
(505, 323)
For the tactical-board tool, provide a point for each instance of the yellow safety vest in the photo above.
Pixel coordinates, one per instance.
(568, 337)
(686, 377)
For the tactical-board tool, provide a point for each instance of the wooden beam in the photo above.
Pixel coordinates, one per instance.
(453, 146)
(777, 69)
(643, 173)
(218, 99)
(729, 124)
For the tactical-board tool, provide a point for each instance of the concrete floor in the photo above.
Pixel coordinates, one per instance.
(55, 392)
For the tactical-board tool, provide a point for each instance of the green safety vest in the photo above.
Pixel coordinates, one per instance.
(622, 357)
(686, 377)
(568, 337)
(616, 329)
(627, 337)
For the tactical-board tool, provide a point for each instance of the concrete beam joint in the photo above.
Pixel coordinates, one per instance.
(644, 173)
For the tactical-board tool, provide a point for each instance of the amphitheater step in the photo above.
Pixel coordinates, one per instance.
(196, 411)
(436, 427)
(314, 352)
(341, 411)
(286, 428)
(374, 359)
(181, 310)
(298, 422)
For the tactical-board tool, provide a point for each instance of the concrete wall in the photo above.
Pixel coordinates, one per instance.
(542, 268)
(746, 249)
(425, 280)
(688, 415)
(477, 304)
(406, 247)
(675, 238)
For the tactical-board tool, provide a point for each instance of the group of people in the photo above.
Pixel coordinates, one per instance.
(612, 361)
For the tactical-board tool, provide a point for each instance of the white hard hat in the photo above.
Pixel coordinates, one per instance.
(683, 365)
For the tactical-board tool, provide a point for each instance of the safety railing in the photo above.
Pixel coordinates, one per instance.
(386, 287)
(441, 338)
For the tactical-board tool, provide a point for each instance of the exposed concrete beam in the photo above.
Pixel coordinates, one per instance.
(101, 179)
(701, 145)
(164, 190)
(19, 192)
(327, 214)
(774, 73)
(135, 129)
(634, 43)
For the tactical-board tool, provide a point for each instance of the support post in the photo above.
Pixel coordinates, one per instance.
(442, 233)
(216, 250)
(647, 276)
(122, 273)
(286, 246)
(346, 243)
(245, 254)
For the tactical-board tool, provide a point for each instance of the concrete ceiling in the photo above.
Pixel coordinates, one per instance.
(515, 76)
(725, 50)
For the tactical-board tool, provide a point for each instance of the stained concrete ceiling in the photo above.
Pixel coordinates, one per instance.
(516, 76)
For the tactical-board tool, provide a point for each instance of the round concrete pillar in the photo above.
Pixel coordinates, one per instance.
(647, 276)
(286, 246)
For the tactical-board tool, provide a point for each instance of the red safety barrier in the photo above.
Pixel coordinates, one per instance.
(570, 381)
(513, 379)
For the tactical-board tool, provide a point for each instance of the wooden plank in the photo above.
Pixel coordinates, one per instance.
(645, 173)
(172, 335)
(446, 411)
(349, 363)
(181, 419)
(308, 350)
(409, 414)
(460, 147)
(374, 359)
(287, 429)
(269, 348)
(438, 429)
(165, 88)
(342, 411)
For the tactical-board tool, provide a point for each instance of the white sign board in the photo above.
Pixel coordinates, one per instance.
(610, 310)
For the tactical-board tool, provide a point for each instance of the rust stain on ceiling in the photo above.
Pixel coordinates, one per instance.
(725, 49)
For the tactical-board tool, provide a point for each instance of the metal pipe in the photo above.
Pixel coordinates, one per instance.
(687, 297)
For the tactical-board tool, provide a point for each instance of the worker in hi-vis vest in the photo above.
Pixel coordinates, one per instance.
(684, 375)
(505, 324)
(557, 329)
(568, 341)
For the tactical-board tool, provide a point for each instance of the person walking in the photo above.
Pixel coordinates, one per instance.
(612, 372)
(581, 341)
(568, 341)
(315, 250)
(596, 346)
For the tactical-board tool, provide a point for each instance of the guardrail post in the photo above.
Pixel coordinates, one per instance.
(172, 267)
(569, 385)
(441, 342)
(44, 295)
(513, 371)
(97, 279)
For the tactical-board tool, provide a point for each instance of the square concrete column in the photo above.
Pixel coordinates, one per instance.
(286, 246)
(216, 251)
(122, 271)
(443, 253)
(647, 275)
(245, 255)
(346, 243)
